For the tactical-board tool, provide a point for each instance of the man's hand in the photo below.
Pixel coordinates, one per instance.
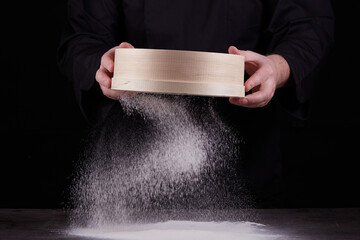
(267, 73)
(105, 73)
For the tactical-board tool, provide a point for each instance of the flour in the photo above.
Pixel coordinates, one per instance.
(162, 153)
(180, 145)
(180, 230)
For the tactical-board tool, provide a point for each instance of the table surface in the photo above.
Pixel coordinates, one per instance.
(329, 224)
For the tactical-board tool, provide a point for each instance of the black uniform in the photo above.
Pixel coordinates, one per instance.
(299, 30)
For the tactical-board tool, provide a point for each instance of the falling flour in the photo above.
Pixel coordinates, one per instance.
(160, 153)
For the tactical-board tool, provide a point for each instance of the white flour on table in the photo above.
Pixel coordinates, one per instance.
(180, 230)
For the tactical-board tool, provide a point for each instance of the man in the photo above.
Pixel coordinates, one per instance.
(283, 43)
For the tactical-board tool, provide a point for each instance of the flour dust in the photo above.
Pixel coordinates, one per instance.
(159, 154)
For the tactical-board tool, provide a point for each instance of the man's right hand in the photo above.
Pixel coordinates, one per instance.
(105, 73)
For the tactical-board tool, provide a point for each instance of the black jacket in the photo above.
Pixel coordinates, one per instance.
(299, 30)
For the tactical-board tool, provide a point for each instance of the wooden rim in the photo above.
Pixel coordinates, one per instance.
(179, 72)
(182, 88)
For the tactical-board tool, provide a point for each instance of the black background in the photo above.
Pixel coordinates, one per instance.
(42, 130)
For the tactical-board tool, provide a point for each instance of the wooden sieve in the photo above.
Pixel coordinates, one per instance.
(179, 72)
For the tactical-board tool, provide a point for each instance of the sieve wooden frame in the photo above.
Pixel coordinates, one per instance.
(178, 72)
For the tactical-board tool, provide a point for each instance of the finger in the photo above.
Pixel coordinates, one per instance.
(107, 60)
(257, 99)
(103, 77)
(239, 101)
(259, 77)
(128, 94)
(113, 94)
(262, 96)
(251, 56)
(125, 45)
(117, 94)
(252, 102)
(233, 50)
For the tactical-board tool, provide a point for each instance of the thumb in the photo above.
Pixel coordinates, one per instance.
(125, 45)
(107, 60)
(234, 50)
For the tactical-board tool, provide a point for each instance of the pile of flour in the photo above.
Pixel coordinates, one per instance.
(160, 153)
(180, 230)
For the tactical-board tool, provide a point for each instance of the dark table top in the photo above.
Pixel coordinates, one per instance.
(319, 224)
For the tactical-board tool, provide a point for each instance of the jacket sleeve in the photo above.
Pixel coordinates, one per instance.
(302, 31)
(89, 32)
